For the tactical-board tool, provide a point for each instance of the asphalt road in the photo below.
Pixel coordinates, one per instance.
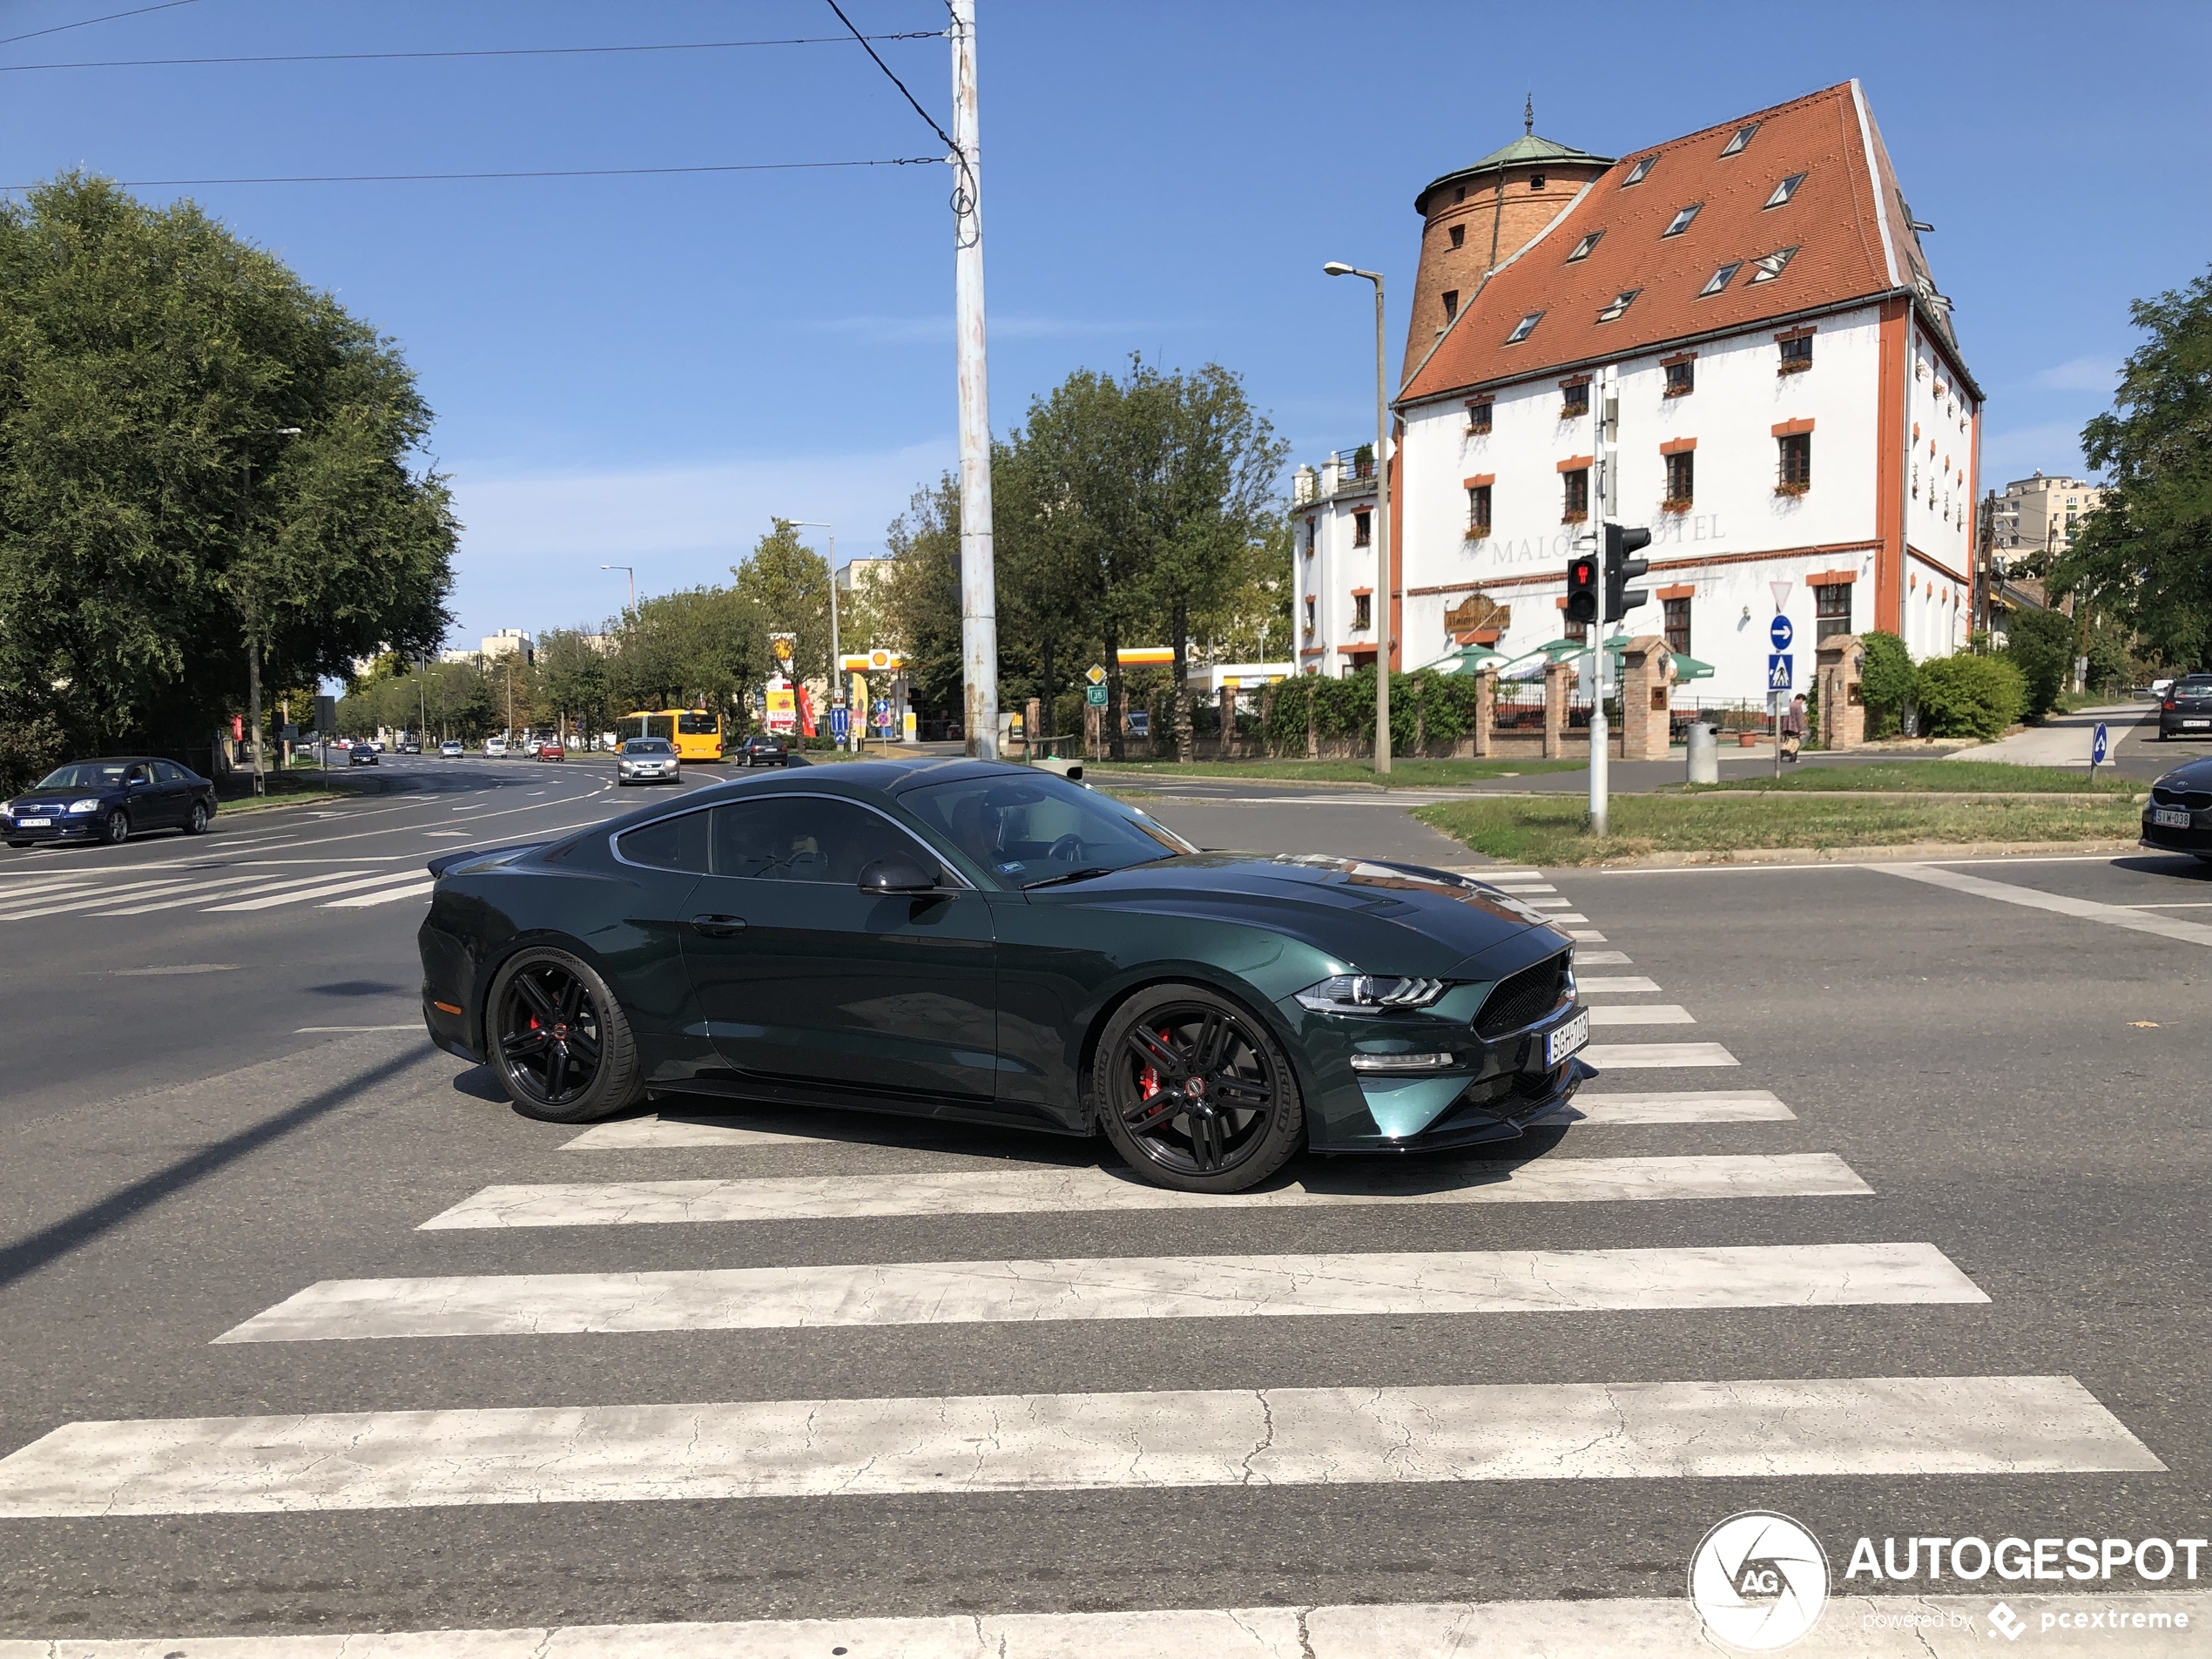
(1930, 1058)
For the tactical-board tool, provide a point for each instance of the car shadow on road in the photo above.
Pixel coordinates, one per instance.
(2181, 865)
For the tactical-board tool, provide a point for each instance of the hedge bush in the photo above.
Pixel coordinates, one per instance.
(2041, 644)
(1969, 697)
(1440, 707)
(1886, 683)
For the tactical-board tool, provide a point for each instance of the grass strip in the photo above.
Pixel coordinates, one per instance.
(1942, 777)
(1403, 774)
(1544, 832)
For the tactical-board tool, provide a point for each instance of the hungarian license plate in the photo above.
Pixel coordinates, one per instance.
(2191, 726)
(1562, 1040)
(34, 823)
(2164, 817)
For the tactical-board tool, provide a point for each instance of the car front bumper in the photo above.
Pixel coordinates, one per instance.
(64, 828)
(2167, 838)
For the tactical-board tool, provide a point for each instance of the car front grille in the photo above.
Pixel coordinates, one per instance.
(2197, 800)
(1521, 999)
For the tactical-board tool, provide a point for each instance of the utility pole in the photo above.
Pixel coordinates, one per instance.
(1605, 392)
(1383, 584)
(979, 628)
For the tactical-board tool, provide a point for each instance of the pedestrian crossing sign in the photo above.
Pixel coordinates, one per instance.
(1777, 670)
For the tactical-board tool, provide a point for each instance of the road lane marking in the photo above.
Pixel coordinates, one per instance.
(301, 895)
(1641, 1013)
(1561, 918)
(305, 1030)
(1695, 1106)
(2189, 932)
(1601, 959)
(1618, 982)
(1171, 1440)
(1037, 1191)
(383, 896)
(179, 967)
(204, 891)
(631, 1133)
(1636, 1055)
(1545, 903)
(124, 893)
(1167, 1287)
(1585, 936)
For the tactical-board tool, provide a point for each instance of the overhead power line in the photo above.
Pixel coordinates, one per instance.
(491, 51)
(544, 172)
(64, 28)
(895, 81)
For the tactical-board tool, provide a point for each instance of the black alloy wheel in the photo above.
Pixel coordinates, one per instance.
(559, 1041)
(1194, 1092)
(117, 828)
(196, 820)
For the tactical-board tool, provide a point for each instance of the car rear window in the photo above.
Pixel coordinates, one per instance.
(2194, 685)
(677, 843)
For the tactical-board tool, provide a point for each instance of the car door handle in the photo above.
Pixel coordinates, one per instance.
(715, 926)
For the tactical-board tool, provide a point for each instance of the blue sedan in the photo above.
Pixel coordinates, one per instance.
(109, 800)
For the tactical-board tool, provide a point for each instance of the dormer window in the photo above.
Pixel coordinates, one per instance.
(1735, 145)
(1582, 248)
(1525, 328)
(1786, 189)
(1622, 301)
(1637, 173)
(1770, 266)
(1720, 279)
(1681, 221)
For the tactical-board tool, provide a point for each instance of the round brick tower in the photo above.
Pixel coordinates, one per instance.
(1477, 219)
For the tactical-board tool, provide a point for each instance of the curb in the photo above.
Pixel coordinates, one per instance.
(1909, 852)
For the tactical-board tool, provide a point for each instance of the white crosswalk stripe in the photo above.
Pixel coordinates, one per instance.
(324, 891)
(1171, 1438)
(228, 889)
(1636, 1055)
(641, 1134)
(414, 890)
(1589, 984)
(1601, 959)
(1044, 1191)
(1641, 1013)
(1694, 1106)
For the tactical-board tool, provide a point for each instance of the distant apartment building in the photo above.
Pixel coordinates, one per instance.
(2039, 515)
(860, 574)
(508, 642)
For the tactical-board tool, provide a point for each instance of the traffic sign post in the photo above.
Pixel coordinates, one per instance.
(1779, 670)
(1094, 696)
(2099, 747)
(841, 723)
(1780, 631)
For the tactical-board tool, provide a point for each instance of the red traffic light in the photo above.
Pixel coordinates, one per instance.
(1581, 590)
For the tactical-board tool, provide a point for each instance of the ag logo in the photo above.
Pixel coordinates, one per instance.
(1760, 1582)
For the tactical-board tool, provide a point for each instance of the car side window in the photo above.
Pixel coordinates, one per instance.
(168, 771)
(677, 843)
(805, 838)
(139, 775)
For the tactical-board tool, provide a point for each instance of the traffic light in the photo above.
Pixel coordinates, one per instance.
(1621, 570)
(1581, 588)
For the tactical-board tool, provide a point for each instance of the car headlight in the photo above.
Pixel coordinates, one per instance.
(84, 806)
(1369, 993)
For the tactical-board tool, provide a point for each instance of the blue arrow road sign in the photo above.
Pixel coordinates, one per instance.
(1780, 631)
(2099, 747)
(841, 723)
(1777, 670)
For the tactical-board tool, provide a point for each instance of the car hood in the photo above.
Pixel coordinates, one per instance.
(44, 800)
(2194, 774)
(1384, 917)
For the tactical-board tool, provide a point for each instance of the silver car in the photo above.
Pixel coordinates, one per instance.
(648, 760)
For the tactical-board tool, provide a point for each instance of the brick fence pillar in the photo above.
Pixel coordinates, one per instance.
(1556, 678)
(1486, 711)
(1647, 670)
(1843, 715)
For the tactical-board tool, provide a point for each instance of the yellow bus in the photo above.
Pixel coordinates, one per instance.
(696, 732)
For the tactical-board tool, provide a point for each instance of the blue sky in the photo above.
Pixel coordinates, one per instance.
(643, 370)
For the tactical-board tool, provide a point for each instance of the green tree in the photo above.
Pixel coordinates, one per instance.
(572, 680)
(784, 587)
(154, 515)
(2145, 557)
(1885, 683)
(2042, 644)
(701, 645)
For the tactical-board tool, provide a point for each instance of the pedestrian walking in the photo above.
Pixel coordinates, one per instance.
(1793, 727)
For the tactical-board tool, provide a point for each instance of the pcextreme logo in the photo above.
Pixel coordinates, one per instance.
(1759, 1580)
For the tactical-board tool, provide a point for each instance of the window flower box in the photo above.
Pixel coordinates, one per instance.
(1572, 518)
(1792, 489)
(1476, 532)
(1675, 504)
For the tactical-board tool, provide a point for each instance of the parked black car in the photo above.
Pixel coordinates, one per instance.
(764, 749)
(361, 754)
(109, 800)
(2186, 707)
(2178, 816)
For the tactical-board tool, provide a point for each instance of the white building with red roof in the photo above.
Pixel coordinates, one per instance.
(1741, 322)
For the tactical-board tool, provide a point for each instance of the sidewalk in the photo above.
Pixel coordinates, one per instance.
(2064, 739)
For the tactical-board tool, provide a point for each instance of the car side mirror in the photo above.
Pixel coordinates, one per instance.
(900, 874)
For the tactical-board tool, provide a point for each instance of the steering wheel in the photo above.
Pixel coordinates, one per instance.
(1066, 850)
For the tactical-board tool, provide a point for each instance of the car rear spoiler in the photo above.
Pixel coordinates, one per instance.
(446, 861)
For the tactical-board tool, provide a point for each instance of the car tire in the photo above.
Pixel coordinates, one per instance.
(196, 820)
(1250, 1118)
(115, 829)
(548, 1012)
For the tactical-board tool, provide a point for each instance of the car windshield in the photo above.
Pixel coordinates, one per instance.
(86, 774)
(1036, 830)
(647, 746)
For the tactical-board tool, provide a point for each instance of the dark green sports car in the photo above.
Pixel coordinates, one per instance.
(964, 939)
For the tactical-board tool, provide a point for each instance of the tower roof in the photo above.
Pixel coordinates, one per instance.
(1522, 152)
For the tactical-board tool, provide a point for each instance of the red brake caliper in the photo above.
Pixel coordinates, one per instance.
(1148, 1081)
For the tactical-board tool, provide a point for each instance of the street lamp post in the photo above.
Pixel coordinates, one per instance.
(631, 571)
(254, 609)
(1335, 268)
(836, 673)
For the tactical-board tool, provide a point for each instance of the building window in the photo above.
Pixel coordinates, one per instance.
(1582, 248)
(1720, 279)
(1796, 354)
(1830, 610)
(1574, 399)
(1575, 508)
(1769, 268)
(1363, 528)
(1525, 328)
(1479, 415)
(1535, 181)
(1313, 538)
(1451, 304)
(1677, 626)
(1622, 301)
(1478, 509)
(1681, 378)
(1570, 629)
(1459, 194)
(1786, 189)
(1680, 222)
(1742, 137)
(1458, 236)
(1309, 613)
(1363, 611)
(1682, 481)
(1637, 173)
(1795, 474)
